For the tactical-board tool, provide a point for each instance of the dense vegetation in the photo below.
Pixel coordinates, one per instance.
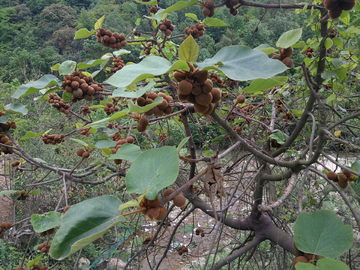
(121, 111)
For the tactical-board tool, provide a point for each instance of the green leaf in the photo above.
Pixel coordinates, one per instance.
(120, 92)
(80, 142)
(34, 261)
(299, 45)
(4, 118)
(345, 17)
(341, 74)
(99, 23)
(328, 43)
(264, 84)
(113, 117)
(32, 87)
(297, 113)
(42, 223)
(149, 67)
(105, 144)
(214, 22)
(84, 33)
(289, 38)
(121, 52)
(9, 192)
(241, 63)
(67, 67)
(265, 49)
(179, 5)
(83, 223)
(128, 152)
(91, 63)
(355, 166)
(322, 233)
(192, 16)
(355, 188)
(150, 3)
(279, 136)
(35, 192)
(331, 98)
(338, 42)
(154, 169)
(106, 152)
(331, 264)
(189, 50)
(138, 109)
(55, 67)
(66, 96)
(182, 143)
(329, 74)
(16, 108)
(305, 266)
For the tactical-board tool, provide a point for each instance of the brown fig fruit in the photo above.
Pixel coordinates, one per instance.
(240, 99)
(86, 154)
(168, 192)
(288, 62)
(342, 177)
(80, 152)
(153, 203)
(335, 13)
(153, 213)
(179, 200)
(332, 176)
(185, 87)
(162, 213)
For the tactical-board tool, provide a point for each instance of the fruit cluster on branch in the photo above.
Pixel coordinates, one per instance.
(196, 30)
(309, 52)
(23, 195)
(195, 87)
(152, 209)
(341, 179)
(5, 141)
(110, 108)
(80, 86)
(53, 139)
(119, 142)
(335, 7)
(44, 247)
(160, 109)
(284, 56)
(48, 232)
(109, 39)
(58, 103)
(181, 250)
(118, 64)
(209, 8)
(166, 27)
(85, 110)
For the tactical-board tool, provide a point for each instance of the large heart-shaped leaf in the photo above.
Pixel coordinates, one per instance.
(67, 67)
(83, 223)
(42, 223)
(322, 233)
(16, 108)
(241, 63)
(154, 169)
(149, 67)
(105, 144)
(32, 87)
(289, 38)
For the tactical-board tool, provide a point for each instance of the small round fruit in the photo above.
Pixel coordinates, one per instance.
(332, 176)
(240, 99)
(162, 213)
(140, 128)
(153, 203)
(204, 99)
(179, 200)
(168, 192)
(153, 213)
(335, 13)
(346, 172)
(342, 185)
(130, 139)
(342, 177)
(185, 87)
(143, 121)
(80, 152)
(86, 154)
(288, 52)
(299, 259)
(288, 62)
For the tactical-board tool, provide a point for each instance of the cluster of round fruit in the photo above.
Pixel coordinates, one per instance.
(118, 64)
(3, 227)
(200, 231)
(36, 267)
(342, 178)
(335, 7)
(248, 108)
(2, 113)
(163, 137)
(160, 109)
(167, 27)
(309, 52)
(47, 232)
(284, 56)
(209, 8)
(80, 86)
(5, 141)
(195, 87)
(83, 153)
(154, 9)
(58, 103)
(113, 125)
(179, 200)
(287, 116)
(152, 209)
(44, 247)
(196, 30)
(181, 250)
(230, 5)
(53, 139)
(85, 110)
(110, 108)
(23, 195)
(6, 126)
(109, 39)
(238, 130)
(147, 48)
(119, 143)
(15, 163)
(85, 131)
(280, 105)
